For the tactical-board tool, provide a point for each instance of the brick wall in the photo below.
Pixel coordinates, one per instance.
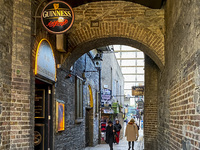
(20, 125)
(129, 24)
(134, 25)
(179, 83)
(5, 73)
(150, 104)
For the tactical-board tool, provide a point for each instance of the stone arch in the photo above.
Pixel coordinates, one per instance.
(113, 27)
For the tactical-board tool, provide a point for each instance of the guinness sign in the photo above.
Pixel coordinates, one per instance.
(57, 17)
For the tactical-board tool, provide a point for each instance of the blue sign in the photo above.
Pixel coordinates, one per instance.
(106, 96)
(45, 64)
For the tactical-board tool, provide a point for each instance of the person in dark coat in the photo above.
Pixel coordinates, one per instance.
(118, 128)
(110, 132)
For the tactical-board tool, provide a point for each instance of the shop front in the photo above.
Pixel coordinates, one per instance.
(106, 114)
(45, 77)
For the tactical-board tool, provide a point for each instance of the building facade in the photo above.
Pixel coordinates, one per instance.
(112, 99)
(112, 77)
(79, 92)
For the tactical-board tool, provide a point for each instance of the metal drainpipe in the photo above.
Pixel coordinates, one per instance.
(99, 105)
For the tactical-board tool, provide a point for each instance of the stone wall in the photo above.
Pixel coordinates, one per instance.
(73, 138)
(150, 104)
(179, 83)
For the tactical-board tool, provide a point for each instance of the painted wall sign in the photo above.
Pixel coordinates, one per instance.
(57, 17)
(45, 64)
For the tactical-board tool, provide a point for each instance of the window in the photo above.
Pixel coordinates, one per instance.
(128, 70)
(129, 77)
(128, 54)
(140, 62)
(79, 98)
(140, 55)
(128, 62)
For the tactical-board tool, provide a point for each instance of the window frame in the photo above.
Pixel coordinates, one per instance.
(78, 99)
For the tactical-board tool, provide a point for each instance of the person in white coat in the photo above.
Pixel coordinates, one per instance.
(131, 133)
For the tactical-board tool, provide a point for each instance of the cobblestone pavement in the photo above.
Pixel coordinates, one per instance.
(123, 144)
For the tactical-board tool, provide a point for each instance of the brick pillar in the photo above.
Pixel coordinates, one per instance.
(150, 104)
(6, 14)
(21, 135)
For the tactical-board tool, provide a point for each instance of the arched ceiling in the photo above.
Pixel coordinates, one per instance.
(154, 4)
(142, 29)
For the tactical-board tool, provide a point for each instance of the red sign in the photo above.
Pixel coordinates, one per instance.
(57, 17)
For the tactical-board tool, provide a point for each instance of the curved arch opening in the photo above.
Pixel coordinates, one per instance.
(83, 48)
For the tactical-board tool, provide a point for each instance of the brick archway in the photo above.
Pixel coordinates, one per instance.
(96, 43)
(138, 26)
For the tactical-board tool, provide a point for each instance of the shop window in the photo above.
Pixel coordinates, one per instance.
(79, 98)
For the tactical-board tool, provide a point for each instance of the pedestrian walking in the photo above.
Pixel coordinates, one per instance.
(110, 132)
(118, 127)
(126, 120)
(131, 133)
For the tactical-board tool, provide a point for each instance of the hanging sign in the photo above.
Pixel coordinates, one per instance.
(138, 90)
(57, 17)
(45, 64)
(106, 96)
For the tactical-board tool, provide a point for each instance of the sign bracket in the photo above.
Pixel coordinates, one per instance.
(37, 17)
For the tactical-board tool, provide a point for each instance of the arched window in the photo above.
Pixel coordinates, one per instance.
(91, 96)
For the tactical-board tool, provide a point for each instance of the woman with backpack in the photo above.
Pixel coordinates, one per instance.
(131, 133)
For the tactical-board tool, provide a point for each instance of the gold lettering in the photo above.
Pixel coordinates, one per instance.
(45, 14)
(54, 13)
(61, 13)
(67, 13)
(58, 12)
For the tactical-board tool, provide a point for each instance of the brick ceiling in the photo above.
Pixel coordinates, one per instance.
(155, 4)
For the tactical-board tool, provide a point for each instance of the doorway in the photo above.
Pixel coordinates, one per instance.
(43, 112)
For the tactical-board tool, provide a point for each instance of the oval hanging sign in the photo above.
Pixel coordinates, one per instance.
(57, 17)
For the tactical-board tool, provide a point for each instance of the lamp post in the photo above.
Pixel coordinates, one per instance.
(99, 105)
(97, 61)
